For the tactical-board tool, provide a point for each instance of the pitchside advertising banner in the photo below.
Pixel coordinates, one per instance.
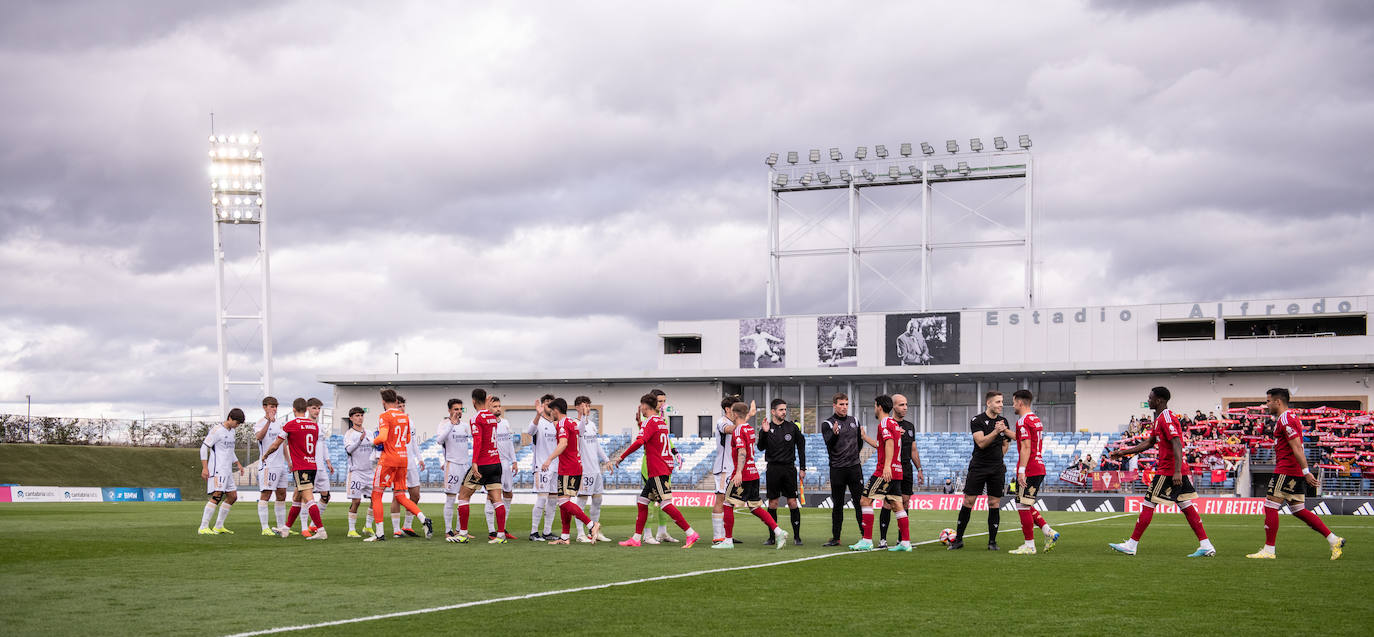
(17, 493)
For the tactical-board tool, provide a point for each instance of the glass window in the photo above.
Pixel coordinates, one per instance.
(704, 424)
(861, 405)
(754, 394)
(791, 394)
(675, 426)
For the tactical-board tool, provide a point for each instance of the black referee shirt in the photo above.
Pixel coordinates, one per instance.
(783, 443)
(908, 437)
(987, 458)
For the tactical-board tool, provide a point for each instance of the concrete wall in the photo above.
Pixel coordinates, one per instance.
(1105, 403)
(427, 404)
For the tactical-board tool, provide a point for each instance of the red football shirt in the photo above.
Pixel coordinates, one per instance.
(483, 426)
(888, 429)
(745, 438)
(1028, 428)
(301, 435)
(1288, 428)
(1166, 430)
(654, 438)
(570, 461)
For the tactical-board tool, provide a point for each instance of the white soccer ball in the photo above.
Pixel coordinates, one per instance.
(946, 536)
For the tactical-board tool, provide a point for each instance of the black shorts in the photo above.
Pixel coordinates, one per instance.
(782, 481)
(656, 489)
(906, 485)
(745, 494)
(486, 476)
(993, 480)
(1163, 489)
(305, 478)
(1031, 492)
(881, 489)
(569, 485)
(1288, 488)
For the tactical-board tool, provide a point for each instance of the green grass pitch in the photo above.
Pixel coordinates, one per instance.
(140, 568)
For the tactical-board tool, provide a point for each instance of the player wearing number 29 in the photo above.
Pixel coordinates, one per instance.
(659, 456)
(1291, 478)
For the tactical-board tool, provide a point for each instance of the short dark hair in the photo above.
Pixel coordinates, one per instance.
(649, 400)
(454, 401)
(581, 400)
(236, 415)
(314, 402)
(388, 395)
(1280, 393)
(269, 402)
(885, 402)
(1161, 392)
(355, 410)
(560, 405)
(298, 404)
(776, 402)
(739, 409)
(727, 401)
(545, 398)
(657, 392)
(400, 399)
(990, 395)
(493, 399)
(479, 395)
(838, 397)
(1023, 395)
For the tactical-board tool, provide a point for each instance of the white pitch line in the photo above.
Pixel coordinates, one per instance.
(659, 578)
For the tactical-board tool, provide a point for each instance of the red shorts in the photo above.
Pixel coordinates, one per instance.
(389, 478)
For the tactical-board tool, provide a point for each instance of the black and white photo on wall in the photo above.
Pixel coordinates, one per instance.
(762, 343)
(837, 340)
(922, 339)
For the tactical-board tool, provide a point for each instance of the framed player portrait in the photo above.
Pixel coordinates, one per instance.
(762, 343)
(837, 341)
(922, 339)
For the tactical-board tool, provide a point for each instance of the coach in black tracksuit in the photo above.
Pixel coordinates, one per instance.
(843, 440)
(782, 443)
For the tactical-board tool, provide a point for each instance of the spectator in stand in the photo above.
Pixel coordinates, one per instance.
(1087, 463)
(949, 485)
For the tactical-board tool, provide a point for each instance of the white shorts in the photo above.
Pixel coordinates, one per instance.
(592, 484)
(413, 475)
(360, 484)
(321, 480)
(273, 478)
(507, 481)
(722, 482)
(546, 481)
(453, 477)
(218, 482)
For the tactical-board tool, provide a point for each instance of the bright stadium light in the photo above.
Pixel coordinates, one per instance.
(845, 176)
(905, 149)
(791, 156)
(939, 170)
(881, 151)
(771, 160)
(835, 154)
(868, 174)
(806, 179)
(915, 172)
(963, 168)
(976, 145)
(823, 176)
(814, 155)
(860, 153)
(952, 146)
(999, 143)
(893, 172)
(781, 180)
(927, 149)
(1024, 140)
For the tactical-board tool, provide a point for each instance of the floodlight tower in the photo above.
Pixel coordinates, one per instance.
(236, 201)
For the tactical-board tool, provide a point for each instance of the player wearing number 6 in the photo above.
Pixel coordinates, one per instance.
(301, 435)
(654, 438)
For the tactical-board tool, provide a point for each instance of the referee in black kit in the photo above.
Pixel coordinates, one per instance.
(991, 437)
(843, 438)
(783, 445)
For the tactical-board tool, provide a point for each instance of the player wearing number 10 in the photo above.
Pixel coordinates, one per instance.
(654, 438)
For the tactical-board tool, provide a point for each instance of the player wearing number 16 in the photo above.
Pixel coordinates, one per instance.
(654, 438)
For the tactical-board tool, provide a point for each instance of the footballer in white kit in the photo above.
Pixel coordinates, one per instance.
(593, 456)
(272, 471)
(361, 455)
(455, 438)
(545, 432)
(326, 467)
(217, 466)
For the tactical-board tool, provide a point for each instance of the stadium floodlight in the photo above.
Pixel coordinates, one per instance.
(868, 174)
(845, 176)
(806, 179)
(939, 170)
(905, 149)
(781, 180)
(915, 172)
(952, 146)
(893, 172)
(860, 153)
(999, 143)
(963, 168)
(791, 156)
(1024, 140)
(814, 155)
(927, 149)
(975, 145)
(881, 151)
(772, 159)
(835, 154)
(823, 176)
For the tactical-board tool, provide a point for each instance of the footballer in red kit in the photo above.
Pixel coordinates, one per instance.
(569, 472)
(658, 454)
(1291, 480)
(1171, 482)
(485, 472)
(301, 435)
(744, 480)
(884, 486)
(1030, 474)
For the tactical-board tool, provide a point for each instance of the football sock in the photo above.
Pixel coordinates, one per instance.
(641, 516)
(295, 513)
(448, 512)
(407, 504)
(904, 526)
(352, 521)
(795, 516)
(868, 522)
(323, 506)
(463, 516)
(566, 519)
(491, 517)
(677, 517)
(1038, 519)
(773, 513)
(964, 514)
(1027, 525)
(281, 512)
(727, 523)
(994, 521)
(315, 515)
(717, 526)
(205, 515)
(395, 522)
(1195, 521)
(550, 510)
(500, 517)
(884, 521)
(377, 508)
(595, 511)
(1147, 513)
(1313, 521)
(574, 511)
(262, 512)
(223, 513)
(761, 514)
(537, 513)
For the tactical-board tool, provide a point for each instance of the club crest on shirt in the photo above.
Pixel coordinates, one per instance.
(787, 436)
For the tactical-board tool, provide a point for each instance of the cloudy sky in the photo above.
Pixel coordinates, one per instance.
(532, 186)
